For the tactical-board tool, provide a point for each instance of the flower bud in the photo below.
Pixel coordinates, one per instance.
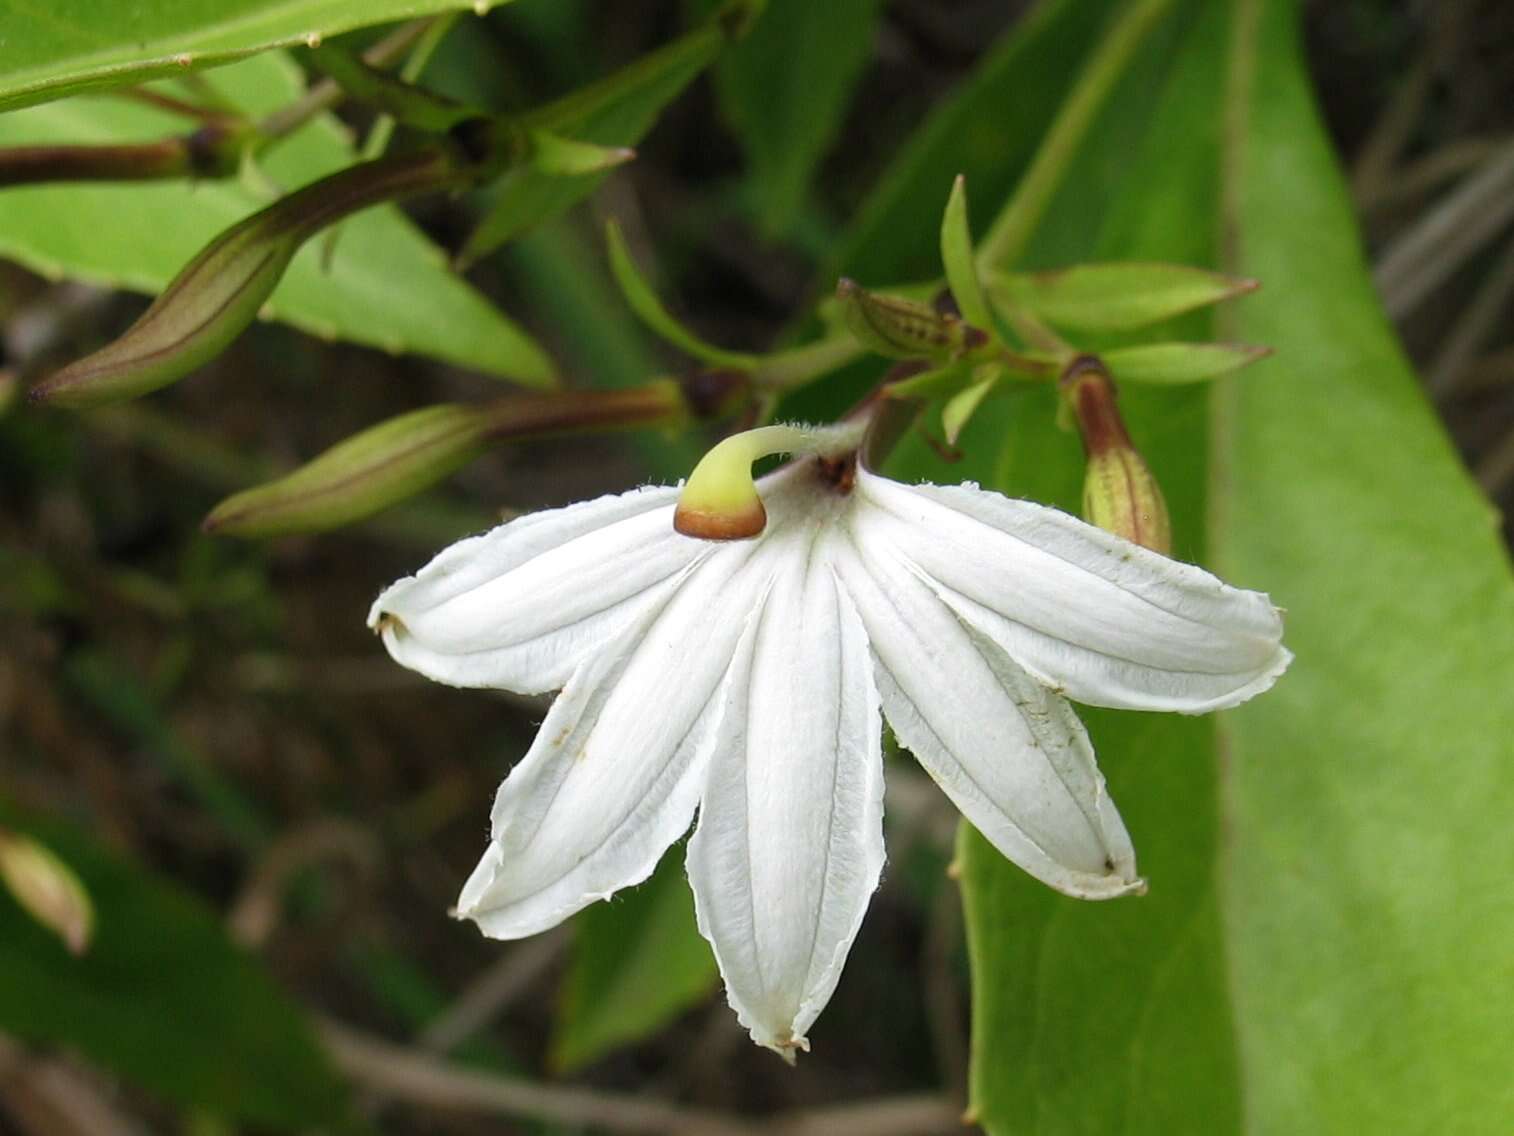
(216, 296)
(387, 463)
(902, 329)
(47, 888)
(359, 476)
(1120, 494)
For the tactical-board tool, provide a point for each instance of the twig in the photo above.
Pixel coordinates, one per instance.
(47, 1095)
(1392, 131)
(255, 914)
(492, 992)
(1455, 228)
(1427, 174)
(404, 1074)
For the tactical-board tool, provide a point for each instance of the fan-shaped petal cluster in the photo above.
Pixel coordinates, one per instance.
(744, 681)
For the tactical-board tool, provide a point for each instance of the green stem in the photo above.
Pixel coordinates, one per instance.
(1013, 227)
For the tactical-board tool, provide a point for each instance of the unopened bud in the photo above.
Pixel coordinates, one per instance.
(359, 476)
(1120, 494)
(720, 500)
(218, 294)
(47, 889)
(904, 329)
(387, 463)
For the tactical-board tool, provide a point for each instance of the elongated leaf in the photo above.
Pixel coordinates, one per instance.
(388, 286)
(1117, 297)
(69, 46)
(1369, 799)
(162, 997)
(785, 89)
(638, 961)
(1307, 972)
(1176, 363)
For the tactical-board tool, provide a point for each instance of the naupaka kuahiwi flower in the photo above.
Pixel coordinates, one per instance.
(744, 680)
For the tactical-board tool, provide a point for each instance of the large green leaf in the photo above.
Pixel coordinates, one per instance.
(1321, 861)
(785, 88)
(52, 48)
(638, 961)
(387, 285)
(162, 997)
(1369, 798)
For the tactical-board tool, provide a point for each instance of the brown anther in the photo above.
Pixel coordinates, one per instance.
(709, 525)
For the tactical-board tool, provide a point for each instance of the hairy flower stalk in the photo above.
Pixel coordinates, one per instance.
(746, 680)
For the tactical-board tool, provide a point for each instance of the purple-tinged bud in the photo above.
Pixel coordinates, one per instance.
(1120, 494)
(218, 294)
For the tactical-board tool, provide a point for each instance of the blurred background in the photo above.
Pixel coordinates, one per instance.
(216, 711)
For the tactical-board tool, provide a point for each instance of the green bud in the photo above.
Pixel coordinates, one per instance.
(1175, 363)
(900, 328)
(47, 889)
(1120, 494)
(387, 463)
(218, 294)
(1116, 297)
(359, 476)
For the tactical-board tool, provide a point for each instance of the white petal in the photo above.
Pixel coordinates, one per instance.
(1011, 755)
(616, 770)
(1091, 615)
(789, 846)
(521, 606)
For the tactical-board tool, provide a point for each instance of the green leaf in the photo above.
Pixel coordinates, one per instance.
(1116, 297)
(1175, 363)
(1370, 795)
(958, 260)
(162, 997)
(644, 302)
(785, 89)
(638, 962)
(1317, 952)
(68, 46)
(617, 111)
(387, 287)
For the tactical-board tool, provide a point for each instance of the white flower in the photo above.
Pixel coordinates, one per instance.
(744, 680)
